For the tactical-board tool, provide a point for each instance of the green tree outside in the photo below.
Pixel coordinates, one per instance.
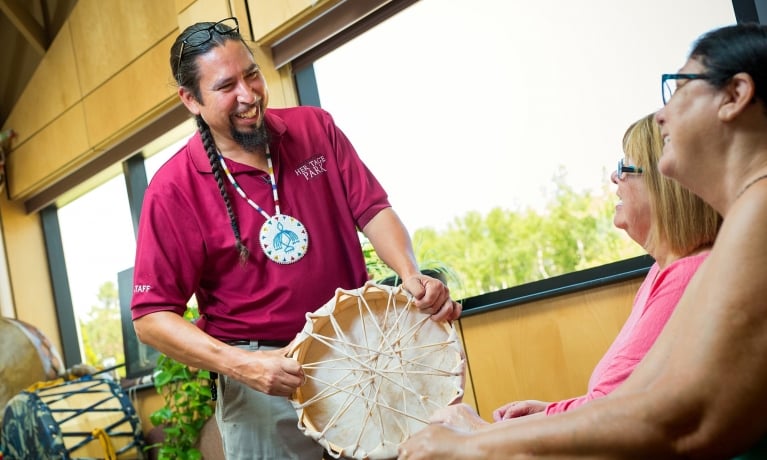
(506, 248)
(101, 330)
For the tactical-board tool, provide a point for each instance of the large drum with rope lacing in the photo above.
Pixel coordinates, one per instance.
(78, 419)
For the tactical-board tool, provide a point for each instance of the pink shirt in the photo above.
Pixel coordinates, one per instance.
(186, 245)
(654, 302)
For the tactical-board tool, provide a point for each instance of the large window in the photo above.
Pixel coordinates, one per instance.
(99, 244)
(494, 124)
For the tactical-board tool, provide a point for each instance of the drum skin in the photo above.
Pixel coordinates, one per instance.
(376, 368)
(66, 421)
(27, 357)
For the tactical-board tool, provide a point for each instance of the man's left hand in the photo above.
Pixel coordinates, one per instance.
(432, 297)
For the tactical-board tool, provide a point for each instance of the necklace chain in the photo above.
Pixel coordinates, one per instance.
(743, 190)
(241, 192)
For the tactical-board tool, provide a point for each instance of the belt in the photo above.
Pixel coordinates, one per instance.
(266, 343)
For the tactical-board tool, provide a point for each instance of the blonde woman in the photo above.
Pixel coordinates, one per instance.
(675, 227)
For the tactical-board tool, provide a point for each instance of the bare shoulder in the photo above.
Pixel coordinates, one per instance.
(717, 336)
(723, 304)
(743, 231)
(735, 274)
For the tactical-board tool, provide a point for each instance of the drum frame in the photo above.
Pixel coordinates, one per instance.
(48, 414)
(368, 368)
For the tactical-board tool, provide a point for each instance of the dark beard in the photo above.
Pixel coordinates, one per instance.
(251, 140)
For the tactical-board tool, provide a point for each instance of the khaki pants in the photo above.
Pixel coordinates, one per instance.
(254, 425)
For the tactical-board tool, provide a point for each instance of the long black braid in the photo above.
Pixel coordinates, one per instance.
(215, 166)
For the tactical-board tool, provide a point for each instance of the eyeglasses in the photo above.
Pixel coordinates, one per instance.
(623, 169)
(202, 36)
(668, 83)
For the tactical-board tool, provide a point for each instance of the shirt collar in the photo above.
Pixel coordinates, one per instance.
(274, 123)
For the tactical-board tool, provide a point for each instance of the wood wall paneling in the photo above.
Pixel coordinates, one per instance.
(203, 10)
(240, 11)
(272, 19)
(27, 262)
(181, 5)
(124, 102)
(55, 151)
(287, 89)
(268, 15)
(543, 350)
(7, 307)
(108, 36)
(20, 60)
(52, 90)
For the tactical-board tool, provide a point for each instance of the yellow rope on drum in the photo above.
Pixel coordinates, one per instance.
(106, 443)
(44, 384)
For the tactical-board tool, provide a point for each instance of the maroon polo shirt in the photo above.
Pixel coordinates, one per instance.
(186, 244)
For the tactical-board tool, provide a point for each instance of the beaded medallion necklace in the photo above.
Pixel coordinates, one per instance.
(283, 238)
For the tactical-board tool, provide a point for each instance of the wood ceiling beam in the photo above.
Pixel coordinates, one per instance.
(32, 31)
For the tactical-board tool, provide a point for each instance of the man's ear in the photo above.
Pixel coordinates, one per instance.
(189, 100)
(739, 93)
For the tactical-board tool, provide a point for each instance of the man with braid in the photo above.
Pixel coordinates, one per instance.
(257, 216)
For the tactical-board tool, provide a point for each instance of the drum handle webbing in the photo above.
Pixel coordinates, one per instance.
(44, 384)
(106, 443)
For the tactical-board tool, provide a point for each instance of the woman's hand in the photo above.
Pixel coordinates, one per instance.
(519, 409)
